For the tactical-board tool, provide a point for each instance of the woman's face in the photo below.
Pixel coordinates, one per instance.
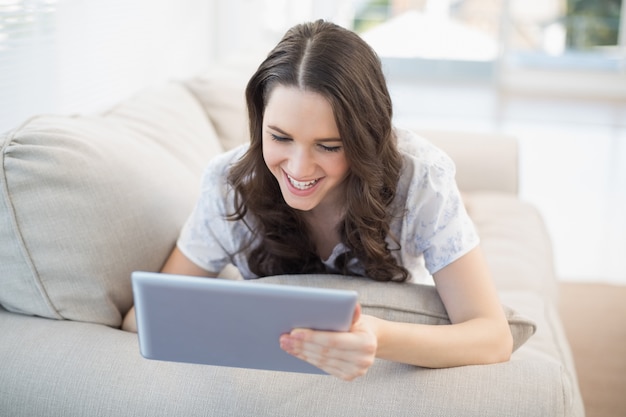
(303, 150)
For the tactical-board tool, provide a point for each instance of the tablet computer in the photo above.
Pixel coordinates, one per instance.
(231, 323)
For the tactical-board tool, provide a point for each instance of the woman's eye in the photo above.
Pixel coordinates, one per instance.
(331, 148)
(279, 138)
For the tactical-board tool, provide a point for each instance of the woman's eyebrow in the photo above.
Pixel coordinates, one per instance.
(282, 132)
(279, 130)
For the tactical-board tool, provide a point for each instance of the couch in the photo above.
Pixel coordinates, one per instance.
(87, 199)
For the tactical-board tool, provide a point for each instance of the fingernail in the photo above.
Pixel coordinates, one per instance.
(298, 334)
(286, 343)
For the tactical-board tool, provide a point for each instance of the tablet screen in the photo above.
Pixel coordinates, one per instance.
(231, 323)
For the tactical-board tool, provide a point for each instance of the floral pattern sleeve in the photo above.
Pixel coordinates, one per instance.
(433, 223)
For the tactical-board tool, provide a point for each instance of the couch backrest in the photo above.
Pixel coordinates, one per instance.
(221, 91)
(484, 161)
(85, 200)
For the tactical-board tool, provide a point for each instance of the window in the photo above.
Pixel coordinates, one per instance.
(576, 34)
(496, 39)
(81, 56)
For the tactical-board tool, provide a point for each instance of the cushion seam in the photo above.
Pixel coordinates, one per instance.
(404, 310)
(15, 225)
(565, 372)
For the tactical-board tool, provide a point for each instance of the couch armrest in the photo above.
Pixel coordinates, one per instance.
(484, 162)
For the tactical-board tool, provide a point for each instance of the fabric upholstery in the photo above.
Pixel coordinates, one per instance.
(221, 92)
(402, 302)
(515, 241)
(88, 199)
(98, 371)
(484, 162)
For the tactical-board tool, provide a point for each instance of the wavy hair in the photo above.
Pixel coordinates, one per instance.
(332, 61)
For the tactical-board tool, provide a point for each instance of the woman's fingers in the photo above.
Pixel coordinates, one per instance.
(346, 355)
(346, 370)
(357, 314)
(338, 344)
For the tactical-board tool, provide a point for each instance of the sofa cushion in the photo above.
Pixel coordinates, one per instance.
(401, 302)
(515, 241)
(107, 377)
(221, 91)
(484, 161)
(85, 200)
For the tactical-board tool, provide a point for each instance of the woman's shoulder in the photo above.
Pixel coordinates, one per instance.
(219, 165)
(216, 171)
(417, 150)
(225, 159)
(423, 162)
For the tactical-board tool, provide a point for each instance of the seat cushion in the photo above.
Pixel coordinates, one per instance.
(85, 200)
(107, 377)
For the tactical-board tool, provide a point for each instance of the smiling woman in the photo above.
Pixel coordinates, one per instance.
(328, 186)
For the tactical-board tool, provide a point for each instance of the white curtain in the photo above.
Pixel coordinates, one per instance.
(81, 56)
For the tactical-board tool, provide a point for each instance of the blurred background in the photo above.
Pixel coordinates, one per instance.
(550, 72)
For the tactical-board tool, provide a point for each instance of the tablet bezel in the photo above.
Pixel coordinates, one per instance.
(232, 323)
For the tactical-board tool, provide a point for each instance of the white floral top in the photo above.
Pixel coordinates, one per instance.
(429, 218)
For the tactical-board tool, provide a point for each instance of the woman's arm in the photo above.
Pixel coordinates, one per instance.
(479, 333)
(176, 263)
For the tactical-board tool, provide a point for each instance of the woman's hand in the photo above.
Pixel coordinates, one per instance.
(346, 355)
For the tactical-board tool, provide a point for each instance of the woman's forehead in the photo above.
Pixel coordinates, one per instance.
(294, 110)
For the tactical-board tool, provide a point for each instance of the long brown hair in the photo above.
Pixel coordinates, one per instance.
(336, 63)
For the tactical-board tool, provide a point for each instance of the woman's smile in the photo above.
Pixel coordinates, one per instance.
(302, 185)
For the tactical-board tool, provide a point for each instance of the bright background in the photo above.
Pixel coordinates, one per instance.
(550, 72)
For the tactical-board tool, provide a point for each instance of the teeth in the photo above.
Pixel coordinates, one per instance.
(302, 185)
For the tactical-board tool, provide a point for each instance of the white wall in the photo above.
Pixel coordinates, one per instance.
(82, 56)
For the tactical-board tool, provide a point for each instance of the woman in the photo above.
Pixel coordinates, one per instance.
(327, 185)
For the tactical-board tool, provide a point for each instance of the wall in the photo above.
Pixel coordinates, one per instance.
(82, 56)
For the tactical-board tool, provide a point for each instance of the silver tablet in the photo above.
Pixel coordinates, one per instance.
(231, 323)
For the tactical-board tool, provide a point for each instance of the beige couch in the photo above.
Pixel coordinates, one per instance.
(85, 200)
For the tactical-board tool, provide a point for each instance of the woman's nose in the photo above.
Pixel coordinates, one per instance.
(301, 164)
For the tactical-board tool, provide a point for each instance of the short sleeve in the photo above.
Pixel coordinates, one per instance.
(435, 223)
(207, 237)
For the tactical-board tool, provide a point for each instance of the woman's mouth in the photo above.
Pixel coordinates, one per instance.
(302, 185)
